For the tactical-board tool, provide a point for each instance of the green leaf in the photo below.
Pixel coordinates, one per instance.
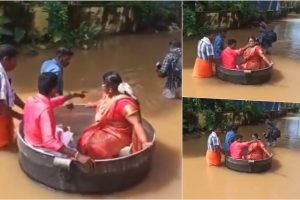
(57, 36)
(19, 34)
(4, 20)
(4, 31)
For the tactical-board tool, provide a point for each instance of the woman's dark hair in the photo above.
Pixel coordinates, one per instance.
(47, 82)
(231, 41)
(63, 51)
(253, 38)
(112, 80)
(255, 135)
(7, 50)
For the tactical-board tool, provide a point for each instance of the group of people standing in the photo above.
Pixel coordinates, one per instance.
(235, 147)
(211, 50)
(117, 124)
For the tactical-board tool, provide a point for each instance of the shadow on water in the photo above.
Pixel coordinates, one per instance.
(276, 76)
(276, 165)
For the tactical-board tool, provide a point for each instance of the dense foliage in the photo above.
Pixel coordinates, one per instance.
(225, 113)
(195, 26)
(81, 32)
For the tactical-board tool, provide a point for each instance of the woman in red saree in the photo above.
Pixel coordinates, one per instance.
(257, 150)
(117, 122)
(253, 57)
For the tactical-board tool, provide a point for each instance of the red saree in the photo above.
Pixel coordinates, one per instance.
(252, 59)
(255, 151)
(111, 132)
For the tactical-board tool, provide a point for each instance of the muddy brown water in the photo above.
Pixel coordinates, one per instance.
(280, 182)
(285, 76)
(134, 56)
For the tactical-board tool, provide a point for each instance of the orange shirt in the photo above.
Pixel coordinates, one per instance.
(236, 149)
(39, 122)
(229, 57)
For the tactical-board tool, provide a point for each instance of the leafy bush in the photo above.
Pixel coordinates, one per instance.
(189, 22)
(16, 33)
(297, 7)
(223, 113)
(58, 21)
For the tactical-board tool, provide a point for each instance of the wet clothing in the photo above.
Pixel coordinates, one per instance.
(111, 132)
(229, 138)
(7, 95)
(172, 68)
(267, 37)
(236, 149)
(203, 67)
(264, 40)
(39, 122)
(213, 156)
(218, 46)
(229, 57)
(271, 135)
(53, 66)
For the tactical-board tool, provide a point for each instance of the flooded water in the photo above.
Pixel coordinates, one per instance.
(281, 181)
(285, 77)
(134, 56)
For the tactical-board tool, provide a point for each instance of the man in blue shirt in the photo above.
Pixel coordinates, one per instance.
(219, 43)
(229, 138)
(56, 65)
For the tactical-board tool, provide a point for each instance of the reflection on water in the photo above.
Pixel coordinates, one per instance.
(285, 78)
(134, 56)
(202, 181)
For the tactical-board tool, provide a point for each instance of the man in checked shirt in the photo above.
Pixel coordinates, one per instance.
(171, 69)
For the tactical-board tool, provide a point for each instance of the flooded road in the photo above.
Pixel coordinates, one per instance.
(134, 56)
(285, 76)
(280, 182)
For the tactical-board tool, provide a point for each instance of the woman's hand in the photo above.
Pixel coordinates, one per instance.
(271, 64)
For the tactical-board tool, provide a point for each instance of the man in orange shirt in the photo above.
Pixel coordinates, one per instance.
(39, 120)
(230, 53)
(236, 148)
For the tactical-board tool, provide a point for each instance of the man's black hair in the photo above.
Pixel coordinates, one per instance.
(231, 41)
(47, 82)
(7, 50)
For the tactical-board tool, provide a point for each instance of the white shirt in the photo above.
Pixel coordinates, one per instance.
(205, 49)
(213, 141)
(6, 91)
